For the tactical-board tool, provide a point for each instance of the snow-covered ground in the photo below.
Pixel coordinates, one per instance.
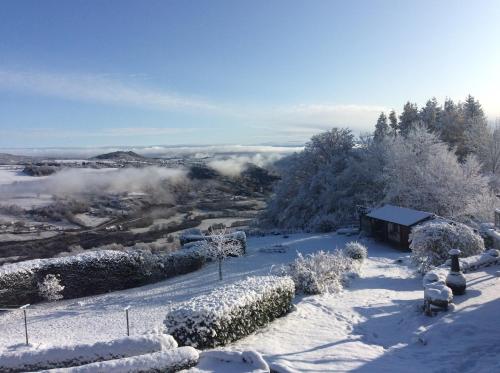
(10, 174)
(374, 325)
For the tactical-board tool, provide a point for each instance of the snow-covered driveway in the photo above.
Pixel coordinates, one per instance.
(375, 325)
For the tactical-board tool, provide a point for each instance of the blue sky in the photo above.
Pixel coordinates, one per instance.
(97, 72)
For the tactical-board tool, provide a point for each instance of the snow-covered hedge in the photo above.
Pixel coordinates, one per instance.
(356, 251)
(230, 312)
(320, 272)
(167, 361)
(65, 356)
(92, 272)
(431, 242)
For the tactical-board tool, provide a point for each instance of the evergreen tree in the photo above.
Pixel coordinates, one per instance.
(475, 127)
(431, 115)
(452, 129)
(381, 128)
(393, 122)
(408, 118)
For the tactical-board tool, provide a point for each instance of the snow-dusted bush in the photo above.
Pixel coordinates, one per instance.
(50, 288)
(65, 356)
(430, 242)
(92, 272)
(320, 272)
(230, 312)
(168, 361)
(356, 251)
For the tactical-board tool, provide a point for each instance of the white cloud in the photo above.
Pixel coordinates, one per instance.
(304, 120)
(296, 122)
(97, 88)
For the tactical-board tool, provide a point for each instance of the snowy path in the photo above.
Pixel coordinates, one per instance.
(373, 326)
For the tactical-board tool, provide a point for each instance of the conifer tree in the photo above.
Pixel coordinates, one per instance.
(381, 128)
(393, 123)
(408, 118)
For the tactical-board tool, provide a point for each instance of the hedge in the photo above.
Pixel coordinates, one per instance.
(92, 272)
(168, 361)
(79, 354)
(230, 312)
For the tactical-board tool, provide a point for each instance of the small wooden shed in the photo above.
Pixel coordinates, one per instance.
(393, 223)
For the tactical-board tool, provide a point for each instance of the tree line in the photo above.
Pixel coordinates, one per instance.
(441, 159)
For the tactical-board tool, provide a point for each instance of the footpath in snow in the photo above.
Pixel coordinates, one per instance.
(374, 325)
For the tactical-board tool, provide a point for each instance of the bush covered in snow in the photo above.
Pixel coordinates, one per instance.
(230, 312)
(320, 272)
(92, 272)
(356, 251)
(430, 242)
(50, 288)
(167, 361)
(79, 354)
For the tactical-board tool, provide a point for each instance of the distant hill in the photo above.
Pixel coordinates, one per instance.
(120, 155)
(13, 159)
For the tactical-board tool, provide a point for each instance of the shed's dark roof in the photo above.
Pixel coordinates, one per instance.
(399, 215)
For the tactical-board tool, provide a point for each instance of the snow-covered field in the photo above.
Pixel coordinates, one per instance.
(374, 325)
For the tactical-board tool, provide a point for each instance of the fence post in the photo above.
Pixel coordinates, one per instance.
(25, 322)
(126, 317)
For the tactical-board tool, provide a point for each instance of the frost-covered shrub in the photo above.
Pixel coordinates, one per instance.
(230, 312)
(324, 224)
(79, 354)
(92, 272)
(321, 272)
(430, 243)
(356, 251)
(50, 288)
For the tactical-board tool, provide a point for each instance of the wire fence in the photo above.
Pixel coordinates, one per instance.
(24, 308)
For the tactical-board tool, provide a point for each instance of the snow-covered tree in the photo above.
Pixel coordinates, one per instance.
(490, 154)
(219, 244)
(381, 128)
(307, 188)
(408, 118)
(393, 123)
(50, 288)
(430, 115)
(431, 242)
(421, 172)
(475, 127)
